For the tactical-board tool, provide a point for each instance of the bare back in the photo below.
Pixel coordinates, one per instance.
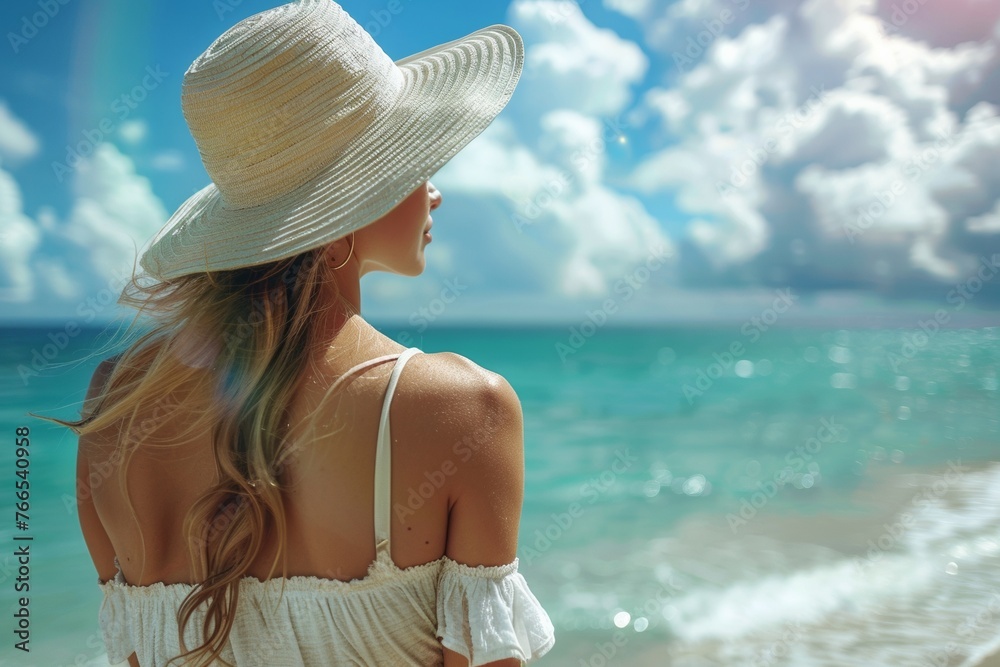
(330, 500)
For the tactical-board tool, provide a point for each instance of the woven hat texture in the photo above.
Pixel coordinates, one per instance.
(309, 131)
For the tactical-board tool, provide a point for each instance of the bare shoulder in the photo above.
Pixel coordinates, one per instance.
(451, 370)
(452, 386)
(459, 410)
(468, 420)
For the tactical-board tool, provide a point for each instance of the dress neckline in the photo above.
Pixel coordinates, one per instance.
(380, 571)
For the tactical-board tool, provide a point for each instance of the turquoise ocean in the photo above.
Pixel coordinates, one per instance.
(822, 497)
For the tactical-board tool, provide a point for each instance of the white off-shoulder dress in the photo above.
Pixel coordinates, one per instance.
(391, 617)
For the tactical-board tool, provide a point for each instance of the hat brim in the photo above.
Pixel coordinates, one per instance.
(451, 93)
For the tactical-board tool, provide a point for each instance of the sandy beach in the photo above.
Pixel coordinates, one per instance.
(991, 660)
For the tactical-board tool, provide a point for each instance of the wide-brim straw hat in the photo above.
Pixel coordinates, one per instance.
(309, 131)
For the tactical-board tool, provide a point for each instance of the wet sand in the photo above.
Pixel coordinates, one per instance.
(990, 661)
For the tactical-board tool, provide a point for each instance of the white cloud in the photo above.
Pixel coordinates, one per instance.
(171, 160)
(876, 128)
(133, 131)
(576, 142)
(874, 201)
(636, 9)
(571, 63)
(17, 142)
(988, 223)
(612, 235)
(924, 255)
(19, 238)
(672, 27)
(779, 139)
(46, 261)
(46, 219)
(739, 79)
(114, 214)
(579, 235)
(58, 279)
(496, 162)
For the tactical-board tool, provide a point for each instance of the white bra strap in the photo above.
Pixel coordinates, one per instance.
(383, 450)
(353, 369)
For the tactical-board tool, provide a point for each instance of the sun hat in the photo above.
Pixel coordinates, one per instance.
(309, 131)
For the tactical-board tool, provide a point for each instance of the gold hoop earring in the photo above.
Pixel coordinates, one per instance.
(348, 254)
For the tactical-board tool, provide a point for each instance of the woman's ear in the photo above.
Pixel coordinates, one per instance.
(336, 251)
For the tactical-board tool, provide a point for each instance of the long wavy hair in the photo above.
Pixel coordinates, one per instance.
(244, 334)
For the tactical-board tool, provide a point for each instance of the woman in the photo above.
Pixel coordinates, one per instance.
(247, 433)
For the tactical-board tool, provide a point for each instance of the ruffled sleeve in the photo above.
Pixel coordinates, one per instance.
(489, 613)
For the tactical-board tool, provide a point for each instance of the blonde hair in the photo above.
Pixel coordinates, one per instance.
(258, 325)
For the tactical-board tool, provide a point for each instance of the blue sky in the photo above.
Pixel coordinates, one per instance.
(843, 149)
